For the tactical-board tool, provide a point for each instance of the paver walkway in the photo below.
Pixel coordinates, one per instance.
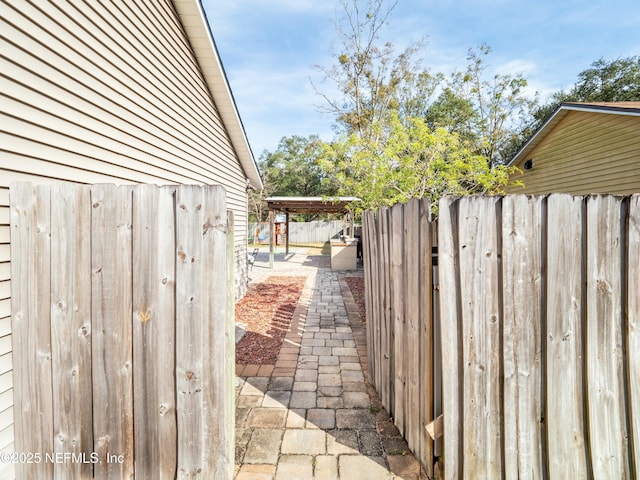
(312, 415)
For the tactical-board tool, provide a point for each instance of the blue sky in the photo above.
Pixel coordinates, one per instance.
(269, 48)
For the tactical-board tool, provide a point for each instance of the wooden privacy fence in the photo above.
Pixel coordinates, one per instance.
(122, 304)
(397, 246)
(299, 232)
(540, 313)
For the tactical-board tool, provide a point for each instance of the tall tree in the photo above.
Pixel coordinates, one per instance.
(397, 141)
(501, 107)
(372, 78)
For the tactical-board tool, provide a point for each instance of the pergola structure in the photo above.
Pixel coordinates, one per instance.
(289, 205)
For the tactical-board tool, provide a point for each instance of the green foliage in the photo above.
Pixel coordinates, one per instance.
(455, 114)
(401, 160)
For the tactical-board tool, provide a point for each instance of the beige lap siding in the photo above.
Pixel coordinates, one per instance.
(586, 152)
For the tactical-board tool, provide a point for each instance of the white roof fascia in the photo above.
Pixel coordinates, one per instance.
(196, 26)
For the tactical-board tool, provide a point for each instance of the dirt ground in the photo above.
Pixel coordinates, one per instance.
(356, 285)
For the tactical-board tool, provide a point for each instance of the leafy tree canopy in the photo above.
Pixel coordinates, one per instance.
(406, 159)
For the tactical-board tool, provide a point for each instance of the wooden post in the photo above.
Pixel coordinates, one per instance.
(351, 222)
(271, 237)
(286, 233)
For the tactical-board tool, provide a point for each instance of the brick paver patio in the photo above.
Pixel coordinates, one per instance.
(312, 415)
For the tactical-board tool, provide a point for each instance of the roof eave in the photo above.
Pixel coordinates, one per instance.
(196, 26)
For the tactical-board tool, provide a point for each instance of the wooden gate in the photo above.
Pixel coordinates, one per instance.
(123, 355)
(539, 309)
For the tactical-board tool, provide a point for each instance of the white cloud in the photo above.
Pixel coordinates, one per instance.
(517, 66)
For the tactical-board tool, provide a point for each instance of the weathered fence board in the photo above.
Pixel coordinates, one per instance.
(632, 329)
(154, 332)
(397, 286)
(386, 321)
(111, 295)
(450, 319)
(605, 337)
(565, 400)
(522, 280)
(31, 302)
(411, 333)
(399, 325)
(123, 305)
(190, 333)
(427, 365)
(71, 327)
(480, 302)
(370, 258)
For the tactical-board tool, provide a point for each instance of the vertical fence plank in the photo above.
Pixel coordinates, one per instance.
(522, 338)
(436, 339)
(377, 300)
(425, 413)
(218, 355)
(31, 336)
(633, 327)
(396, 230)
(71, 327)
(225, 387)
(412, 340)
(189, 329)
(604, 338)
(370, 258)
(565, 389)
(480, 291)
(448, 272)
(386, 338)
(154, 331)
(111, 327)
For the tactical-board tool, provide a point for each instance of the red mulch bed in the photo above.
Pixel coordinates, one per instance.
(266, 310)
(356, 285)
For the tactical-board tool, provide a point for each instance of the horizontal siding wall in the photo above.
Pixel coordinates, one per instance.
(586, 153)
(104, 92)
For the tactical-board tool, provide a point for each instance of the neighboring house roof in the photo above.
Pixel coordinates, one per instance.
(196, 27)
(616, 108)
